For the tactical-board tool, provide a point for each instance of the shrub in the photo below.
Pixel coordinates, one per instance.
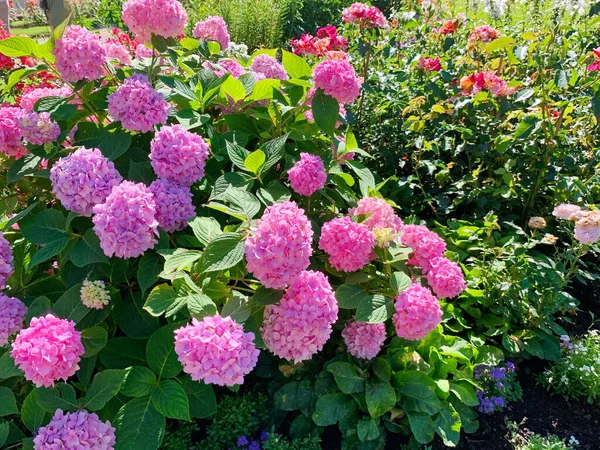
(526, 440)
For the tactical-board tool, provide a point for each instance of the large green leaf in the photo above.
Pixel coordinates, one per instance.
(417, 391)
(150, 266)
(47, 226)
(139, 382)
(203, 402)
(105, 386)
(49, 250)
(160, 299)
(333, 408)
(139, 425)
(447, 425)
(346, 377)
(237, 308)
(94, 339)
(374, 309)
(200, 305)
(421, 426)
(8, 402)
(60, 397)
(205, 229)
(325, 112)
(160, 352)
(295, 66)
(223, 252)
(32, 415)
(111, 144)
(133, 319)
(69, 305)
(87, 250)
(122, 352)
(399, 282)
(349, 296)
(8, 369)
(380, 397)
(170, 399)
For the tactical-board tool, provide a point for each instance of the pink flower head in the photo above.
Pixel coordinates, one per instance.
(126, 222)
(327, 40)
(567, 211)
(225, 66)
(364, 15)
(417, 313)
(279, 249)
(425, 245)
(48, 351)
(29, 99)
(596, 64)
(445, 278)
(12, 315)
(173, 205)
(381, 214)
(83, 179)
(79, 55)
(80, 430)
(38, 129)
(430, 64)
(364, 340)
(141, 52)
(483, 34)
(485, 81)
(337, 79)
(348, 244)
(213, 28)
(166, 18)
(587, 227)
(266, 66)
(300, 325)
(137, 105)
(116, 50)
(7, 267)
(308, 175)
(10, 132)
(178, 155)
(216, 350)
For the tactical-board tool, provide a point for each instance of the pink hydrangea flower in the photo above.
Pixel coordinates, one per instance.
(566, 211)
(225, 66)
(308, 175)
(137, 105)
(48, 351)
(364, 340)
(10, 133)
(12, 315)
(417, 313)
(80, 430)
(380, 214)
(178, 155)
(116, 50)
(266, 66)
(430, 64)
(348, 244)
(483, 34)
(79, 55)
(216, 350)
(29, 99)
(173, 205)
(425, 244)
(587, 227)
(337, 79)
(213, 28)
(83, 179)
(38, 129)
(280, 246)
(166, 18)
(93, 294)
(7, 267)
(126, 222)
(141, 52)
(364, 15)
(445, 278)
(300, 325)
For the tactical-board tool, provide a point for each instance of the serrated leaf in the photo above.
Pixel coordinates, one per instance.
(105, 386)
(200, 305)
(139, 425)
(139, 382)
(160, 352)
(223, 252)
(399, 282)
(349, 296)
(237, 308)
(170, 399)
(87, 250)
(374, 309)
(255, 161)
(47, 226)
(205, 229)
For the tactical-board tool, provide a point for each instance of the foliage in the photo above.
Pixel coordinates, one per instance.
(109, 13)
(498, 386)
(277, 442)
(179, 436)
(526, 440)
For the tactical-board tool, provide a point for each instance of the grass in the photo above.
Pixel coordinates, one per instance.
(36, 31)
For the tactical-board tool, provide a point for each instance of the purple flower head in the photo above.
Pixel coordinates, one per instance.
(264, 435)
(510, 366)
(498, 373)
(242, 441)
(500, 385)
(498, 401)
(254, 445)
(486, 406)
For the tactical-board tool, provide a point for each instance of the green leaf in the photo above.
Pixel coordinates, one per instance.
(180, 259)
(346, 377)
(237, 308)
(527, 126)
(94, 339)
(333, 408)
(4, 431)
(264, 89)
(237, 154)
(139, 426)
(48, 251)
(150, 266)
(111, 144)
(23, 167)
(8, 369)
(233, 88)
(223, 252)
(295, 66)
(200, 305)
(294, 395)
(123, 352)
(205, 229)
(374, 309)
(561, 79)
(69, 305)
(32, 415)
(8, 402)
(255, 161)
(47, 226)
(380, 397)
(367, 429)
(87, 250)
(160, 299)
(421, 426)
(418, 391)
(244, 205)
(382, 369)
(325, 112)
(500, 43)
(160, 352)
(363, 173)
(274, 192)
(189, 43)
(60, 397)
(170, 399)
(399, 282)
(133, 319)
(447, 425)
(203, 402)
(486, 354)
(465, 392)
(139, 382)
(105, 386)
(264, 296)
(349, 296)
(17, 46)
(275, 150)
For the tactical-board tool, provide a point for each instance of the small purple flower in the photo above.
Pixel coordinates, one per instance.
(479, 394)
(499, 385)
(498, 401)
(510, 366)
(264, 436)
(242, 441)
(498, 373)
(486, 406)
(254, 445)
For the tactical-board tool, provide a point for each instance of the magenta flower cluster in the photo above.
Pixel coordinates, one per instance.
(12, 315)
(10, 133)
(80, 430)
(29, 99)
(48, 350)
(265, 66)
(300, 325)
(126, 222)
(380, 214)
(166, 18)
(424, 243)
(281, 245)
(83, 179)
(364, 340)
(173, 205)
(80, 55)
(445, 277)
(225, 66)
(178, 155)
(364, 15)
(349, 244)
(417, 313)
(7, 267)
(216, 350)
(213, 28)
(308, 175)
(137, 105)
(337, 78)
(116, 50)
(38, 128)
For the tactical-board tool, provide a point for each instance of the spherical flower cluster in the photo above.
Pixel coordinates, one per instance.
(83, 179)
(216, 350)
(265, 66)
(445, 278)
(29, 99)
(381, 214)
(166, 18)
(79, 55)
(483, 34)
(94, 294)
(178, 155)
(12, 314)
(537, 223)
(587, 227)
(225, 66)
(48, 351)
(39, 128)
(80, 430)
(116, 50)
(364, 15)
(308, 175)
(337, 79)
(6, 261)
(173, 205)
(348, 244)
(213, 28)
(417, 313)
(327, 40)
(10, 133)
(567, 211)
(141, 52)
(430, 64)
(485, 81)
(300, 325)
(280, 246)
(425, 244)
(126, 222)
(137, 105)
(364, 340)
